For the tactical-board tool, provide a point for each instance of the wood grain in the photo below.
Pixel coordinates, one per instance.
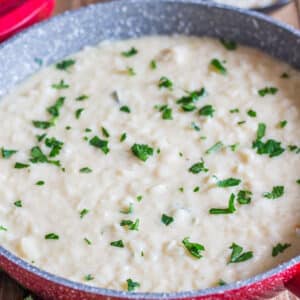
(9, 290)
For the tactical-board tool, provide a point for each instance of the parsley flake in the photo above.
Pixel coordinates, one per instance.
(118, 244)
(19, 165)
(85, 170)
(237, 254)
(78, 113)
(83, 213)
(214, 148)
(61, 85)
(188, 101)
(105, 132)
(279, 248)
(123, 137)
(218, 66)
(276, 192)
(207, 111)
(131, 52)
(125, 109)
(165, 82)
(7, 153)
(267, 91)
(282, 124)
(223, 211)
(51, 236)
(244, 197)
(251, 113)
(130, 224)
(88, 277)
(101, 144)
(228, 44)
(40, 182)
(18, 203)
(194, 249)
(132, 285)
(228, 182)
(142, 151)
(198, 167)
(153, 64)
(82, 98)
(65, 64)
(167, 220)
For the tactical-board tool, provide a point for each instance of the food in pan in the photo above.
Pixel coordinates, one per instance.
(155, 164)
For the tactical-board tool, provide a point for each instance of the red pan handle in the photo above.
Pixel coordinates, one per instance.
(16, 15)
(294, 284)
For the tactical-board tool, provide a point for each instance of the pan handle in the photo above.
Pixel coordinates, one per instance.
(293, 285)
(21, 14)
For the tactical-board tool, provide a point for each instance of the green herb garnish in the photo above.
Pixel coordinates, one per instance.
(83, 213)
(118, 244)
(40, 182)
(65, 64)
(132, 285)
(101, 144)
(131, 225)
(55, 146)
(167, 220)
(244, 197)
(142, 151)
(7, 153)
(188, 101)
(196, 189)
(82, 98)
(51, 236)
(223, 211)
(139, 198)
(195, 126)
(131, 52)
(88, 277)
(267, 90)
(261, 130)
(125, 109)
(42, 124)
(228, 182)
(2, 228)
(270, 147)
(153, 64)
(18, 203)
(130, 71)
(85, 170)
(251, 113)
(87, 241)
(241, 122)
(228, 44)
(276, 192)
(61, 85)
(207, 111)
(198, 167)
(237, 254)
(105, 132)
(78, 113)
(214, 148)
(194, 249)
(282, 124)
(218, 66)
(19, 165)
(234, 110)
(123, 137)
(279, 248)
(165, 82)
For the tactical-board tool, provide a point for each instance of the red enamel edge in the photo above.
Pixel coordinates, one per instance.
(293, 285)
(25, 14)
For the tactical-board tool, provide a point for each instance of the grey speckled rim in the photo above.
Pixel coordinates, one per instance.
(113, 293)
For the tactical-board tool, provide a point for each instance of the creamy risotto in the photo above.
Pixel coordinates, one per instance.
(247, 3)
(156, 164)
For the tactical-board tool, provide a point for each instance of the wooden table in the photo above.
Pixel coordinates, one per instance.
(9, 290)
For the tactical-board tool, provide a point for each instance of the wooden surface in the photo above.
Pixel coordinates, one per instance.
(9, 290)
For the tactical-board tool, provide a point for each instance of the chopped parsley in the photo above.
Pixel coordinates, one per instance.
(2, 228)
(55, 146)
(51, 236)
(125, 109)
(153, 64)
(78, 113)
(234, 147)
(214, 148)
(105, 132)
(166, 111)
(251, 113)
(40, 182)
(196, 189)
(270, 147)
(18, 203)
(294, 148)
(40, 137)
(261, 130)
(195, 126)
(237, 254)
(88, 277)
(131, 52)
(267, 91)
(87, 241)
(132, 285)
(130, 71)
(7, 153)
(123, 137)
(244, 197)
(19, 165)
(234, 111)
(83, 213)
(241, 122)
(142, 151)
(276, 192)
(131, 225)
(194, 249)
(118, 244)
(228, 44)
(228, 182)
(279, 248)
(218, 66)
(101, 144)
(181, 189)
(167, 220)
(139, 198)
(82, 98)
(65, 64)
(85, 170)
(207, 111)
(223, 211)
(221, 282)
(61, 85)
(188, 101)
(198, 167)
(282, 124)
(298, 181)
(164, 82)
(42, 124)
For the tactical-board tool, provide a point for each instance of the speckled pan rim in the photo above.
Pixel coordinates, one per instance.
(136, 295)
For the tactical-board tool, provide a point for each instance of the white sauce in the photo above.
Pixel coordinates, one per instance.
(119, 177)
(247, 3)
